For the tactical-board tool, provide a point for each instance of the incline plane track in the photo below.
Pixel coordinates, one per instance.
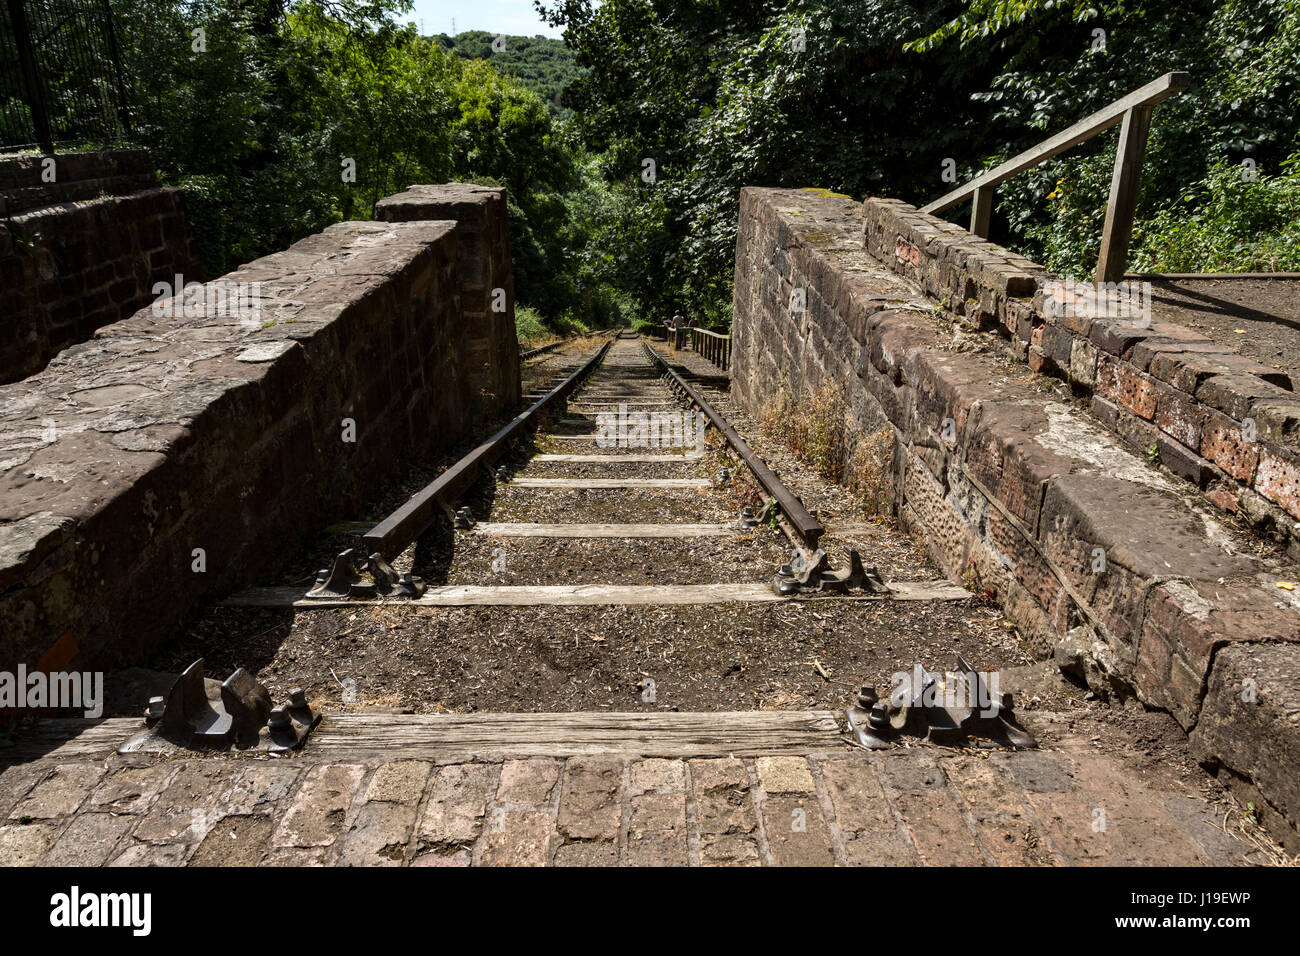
(601, 672)
(634, 420)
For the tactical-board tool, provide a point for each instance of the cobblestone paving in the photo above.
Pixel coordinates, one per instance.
(923, 806)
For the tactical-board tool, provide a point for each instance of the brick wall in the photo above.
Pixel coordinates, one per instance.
(1012, 485)
(1164, 387)
(83, 250)
(220, 431)
(485, 279)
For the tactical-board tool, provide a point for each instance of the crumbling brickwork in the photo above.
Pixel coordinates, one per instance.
(84, 237)
(1118, 569)
(175, 457)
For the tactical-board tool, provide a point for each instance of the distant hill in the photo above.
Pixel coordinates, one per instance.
(542, 64)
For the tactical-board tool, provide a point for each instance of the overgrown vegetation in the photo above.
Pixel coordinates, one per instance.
(871, 97)
(624, 148)
(819, 429)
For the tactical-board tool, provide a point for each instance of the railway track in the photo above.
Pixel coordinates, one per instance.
(601, 666)
(618, 422)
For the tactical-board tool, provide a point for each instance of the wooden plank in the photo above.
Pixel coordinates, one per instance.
(64, 738)
(605, 459)
(610, 482)
(573, 595)
(981, 211)
(1124, 183)
(1160, 89)
(499, 736)
(529, 530)
(617, 404)
(488, 736)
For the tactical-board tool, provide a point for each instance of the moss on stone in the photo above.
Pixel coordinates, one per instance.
(818, 191)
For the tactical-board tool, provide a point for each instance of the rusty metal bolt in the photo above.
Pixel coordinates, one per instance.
(878, 719)
(867, 696)
(156, 705)
(1007, 703)
(280, 719)
(297, 698)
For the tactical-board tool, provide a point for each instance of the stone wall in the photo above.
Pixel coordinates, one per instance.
(1227, 424)
(1120, 571)
(176, 457)
(83, 250)
(485, 278)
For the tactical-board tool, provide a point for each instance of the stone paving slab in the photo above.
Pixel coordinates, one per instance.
(919, 805)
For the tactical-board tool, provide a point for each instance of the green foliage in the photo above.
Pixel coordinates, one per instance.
(1226, 223)
(529, 326)
(1244, 60)
(869, 97)
(544, 66)
(258, 127)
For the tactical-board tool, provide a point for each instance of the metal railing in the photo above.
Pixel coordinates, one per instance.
(1134, 111)
(61, 75)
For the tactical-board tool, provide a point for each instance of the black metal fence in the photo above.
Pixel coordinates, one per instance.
(60, 74)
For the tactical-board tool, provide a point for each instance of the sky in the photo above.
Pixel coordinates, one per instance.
(514, 17)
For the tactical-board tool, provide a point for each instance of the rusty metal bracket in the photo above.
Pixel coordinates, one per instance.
(242, 718)
(377, 579)
(949, 709)
(749, 518)
(805, 575)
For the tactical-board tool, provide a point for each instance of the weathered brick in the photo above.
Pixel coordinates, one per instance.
(316, 816)
(796, 831)
(722, 796)
(930, 812)
(591, 799)
(1277, 478)
(1223, 443)
(1121, 383)
(458, 800)
(1248, 724)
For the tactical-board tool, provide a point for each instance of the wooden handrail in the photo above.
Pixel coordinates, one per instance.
(1134, 110)
(714, 346)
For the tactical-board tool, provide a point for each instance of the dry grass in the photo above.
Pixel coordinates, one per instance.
(820, 432)
(584, 343)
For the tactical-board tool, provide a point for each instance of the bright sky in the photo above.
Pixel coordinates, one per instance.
(514, 17)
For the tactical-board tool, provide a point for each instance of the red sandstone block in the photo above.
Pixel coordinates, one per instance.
(1248, 724)
(1200, 617)
(1278, 479)
(1151, 673)
(1222, 442)
(1179, 416)
(1027, 564)
(1124, 385)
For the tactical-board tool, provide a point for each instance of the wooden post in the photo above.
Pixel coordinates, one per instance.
(1124, 184)
(981, 211)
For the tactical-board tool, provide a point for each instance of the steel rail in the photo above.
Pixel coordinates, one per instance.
(392, 535)
(540, 350)
(805, 526)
